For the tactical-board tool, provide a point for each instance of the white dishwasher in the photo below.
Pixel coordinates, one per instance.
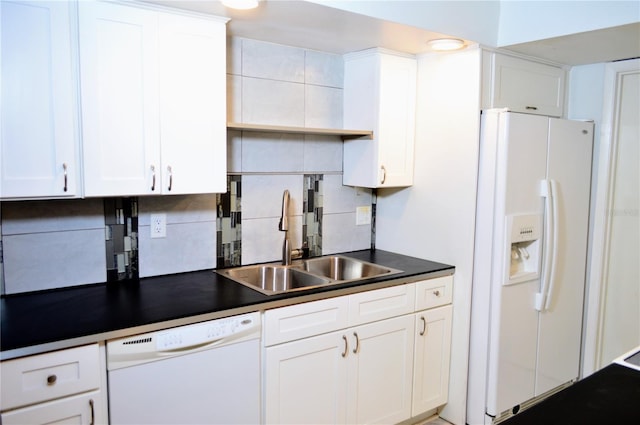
(205, 373)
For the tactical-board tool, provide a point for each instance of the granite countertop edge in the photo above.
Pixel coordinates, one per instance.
(45, 321)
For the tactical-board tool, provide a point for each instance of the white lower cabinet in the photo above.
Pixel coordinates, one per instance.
(431, 359)
(63, 386)
(358, 375)
(372, 358)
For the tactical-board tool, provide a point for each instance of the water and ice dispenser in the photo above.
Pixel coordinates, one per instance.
(524, 243)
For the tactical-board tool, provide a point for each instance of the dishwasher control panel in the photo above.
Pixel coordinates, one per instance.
(129, 351)
(202, 333)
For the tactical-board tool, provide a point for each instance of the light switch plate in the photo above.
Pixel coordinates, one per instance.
(363, 215)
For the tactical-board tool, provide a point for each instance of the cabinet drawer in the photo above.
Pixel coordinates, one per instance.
(82, 409)
(303, 320)
(434, 292)
(43, 377)
(380, 304)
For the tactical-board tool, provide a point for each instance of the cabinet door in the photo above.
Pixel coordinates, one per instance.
(81, 409)
(119, 83)
(380, 371)
(305, 381)
(380, 94)
(431, 359)
(192, 104)
(39, 105)
(526, 86)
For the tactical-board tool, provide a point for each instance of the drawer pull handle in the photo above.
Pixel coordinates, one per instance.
(51, 379)
(384, 174)
(355, 350)
(93, 413)
(424, 326)
(436, 293)
(170, 178)
(531, 108)
(346, 346)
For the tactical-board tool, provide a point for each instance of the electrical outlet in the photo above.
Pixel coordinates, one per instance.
(158, 225)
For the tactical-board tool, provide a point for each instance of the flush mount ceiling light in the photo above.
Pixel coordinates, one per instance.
(446, 44)
(241, 4)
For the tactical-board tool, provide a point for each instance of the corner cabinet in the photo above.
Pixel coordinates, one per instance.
(522, 85)
(153, 101)
(61, 386)
(380, 94)
(39, 124)
(361, 358)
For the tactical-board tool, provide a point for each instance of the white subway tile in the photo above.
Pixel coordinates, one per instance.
(343, 199)
(272, 152)
(234, 98)
(234, 151)
(273, 61)
(265, 243)
(179, 208)
(234, 55)
(52, 216)
(340, 234)
(262, 197)
(322, 154)
(272, 102)
(323, 107)
(49, 260)
(324, 69)
(187, 247)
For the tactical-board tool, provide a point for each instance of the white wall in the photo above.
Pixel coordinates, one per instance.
(434, 219)
(524, 21)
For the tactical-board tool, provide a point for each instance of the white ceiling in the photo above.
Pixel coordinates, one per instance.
(313, 26)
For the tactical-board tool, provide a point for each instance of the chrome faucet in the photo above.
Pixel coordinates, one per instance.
(284, 227)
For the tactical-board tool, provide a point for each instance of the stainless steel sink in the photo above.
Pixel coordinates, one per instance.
(273, 279)
(337, 267)
(304, 274)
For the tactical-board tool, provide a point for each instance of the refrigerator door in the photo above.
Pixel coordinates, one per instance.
(520, 164)
(560, 321)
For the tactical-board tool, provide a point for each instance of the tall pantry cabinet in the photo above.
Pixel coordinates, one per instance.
(153, 101)
(39, 150)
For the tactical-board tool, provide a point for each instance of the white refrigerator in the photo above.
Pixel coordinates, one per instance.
(529, 261)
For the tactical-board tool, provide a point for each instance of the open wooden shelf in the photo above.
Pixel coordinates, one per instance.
(344, 134)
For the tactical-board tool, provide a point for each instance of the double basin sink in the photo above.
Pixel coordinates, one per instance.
(305, 274)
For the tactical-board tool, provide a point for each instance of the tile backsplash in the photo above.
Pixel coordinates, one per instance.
(59, 243)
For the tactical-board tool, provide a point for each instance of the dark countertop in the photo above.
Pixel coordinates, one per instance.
(44, 321)
(609, 396)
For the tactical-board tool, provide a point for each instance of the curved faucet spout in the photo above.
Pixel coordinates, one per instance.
(284, 219)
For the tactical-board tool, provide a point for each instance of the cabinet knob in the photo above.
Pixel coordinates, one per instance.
(436, 293)
(51, 379)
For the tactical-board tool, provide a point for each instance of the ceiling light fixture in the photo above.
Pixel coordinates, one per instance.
(446, 44)
(241, 4)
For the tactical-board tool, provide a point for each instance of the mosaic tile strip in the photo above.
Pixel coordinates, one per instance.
(121, 238)
(374, 202)
(229, 224)
(312, 214)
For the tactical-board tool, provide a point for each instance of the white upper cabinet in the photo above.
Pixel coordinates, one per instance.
(193, 131)
(523, 85)
(153, 101)
(380, 94)
(39, 145)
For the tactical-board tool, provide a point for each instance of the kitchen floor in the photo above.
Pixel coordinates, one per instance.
(434, 420)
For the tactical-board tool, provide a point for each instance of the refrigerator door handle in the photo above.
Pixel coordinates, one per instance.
(553, 255)
(547, 193)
